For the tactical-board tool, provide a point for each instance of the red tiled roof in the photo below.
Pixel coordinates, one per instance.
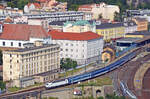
(37, 5)
(22, 32)
(56, 35)
(87, 6)
(2, 7)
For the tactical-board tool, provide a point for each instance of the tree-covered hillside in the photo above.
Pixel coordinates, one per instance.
(74, 4)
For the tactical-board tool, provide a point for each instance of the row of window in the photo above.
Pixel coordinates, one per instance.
(41, 52)
(12, 44)
(66, 55)
(71, 50)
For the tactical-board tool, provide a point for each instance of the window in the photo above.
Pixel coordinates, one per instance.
(66, 44)
(71, 50)
(19, 44)
(66, 49)
(83, 56)
(11, 43)
(3, 43)
(10, 73)
(71, 44)
(10, 55)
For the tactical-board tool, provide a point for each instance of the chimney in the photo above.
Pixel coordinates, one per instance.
(38, 43)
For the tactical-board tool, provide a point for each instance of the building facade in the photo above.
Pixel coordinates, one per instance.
(130, 27)
(30, 61)
(142, 24)
(85, 47)
(10, 11)
(102, 9)
(111, 31)
(61, 16)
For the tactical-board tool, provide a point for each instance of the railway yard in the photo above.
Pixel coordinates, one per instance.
(125, 73)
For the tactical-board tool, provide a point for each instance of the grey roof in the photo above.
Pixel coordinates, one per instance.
(109, 25)
(145, 33)
(32, 48)
(128, 39)
(26, 79)
(140, 19)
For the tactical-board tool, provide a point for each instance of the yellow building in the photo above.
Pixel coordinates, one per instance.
(110, 31)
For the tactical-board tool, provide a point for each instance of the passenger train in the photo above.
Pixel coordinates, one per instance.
(92, 74)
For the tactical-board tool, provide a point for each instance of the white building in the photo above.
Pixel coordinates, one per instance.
(130, 27)
(83, 47)
(61, 16)
(102, 9)
(15, 35)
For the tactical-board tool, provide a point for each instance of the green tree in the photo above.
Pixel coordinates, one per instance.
(100, 97)
(117, 17)
(2, 85)
(18, 3)
(114, 96)
(21, 3)
(68, 63)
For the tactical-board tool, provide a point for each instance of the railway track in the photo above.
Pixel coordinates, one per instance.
(42, 88)
(25, 91)
(127, 73)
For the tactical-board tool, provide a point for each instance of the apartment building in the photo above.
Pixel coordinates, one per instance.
(106, 11)
(61, 16)
(85, 47)
(34, 59)
(111, 31)
(142, 24)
